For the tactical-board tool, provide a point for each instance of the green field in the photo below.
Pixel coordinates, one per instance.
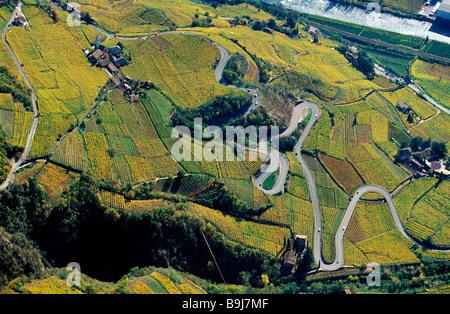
(430, 215)
(434, 78)
(438, 48)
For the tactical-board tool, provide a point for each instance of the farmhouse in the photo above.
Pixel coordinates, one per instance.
(20, 21)
(111, 59)
(312, 30)
(134, 98)
(300, 242)
(289, 262)
(70, 8)
(115, 51)
(104, 62)
(415, 168)
(403, 107)
(117, 81)
(97, 54)
(351, 52)
(353, 49)
(120, 62)
(111, 68)
(434, 165)
(268, 30)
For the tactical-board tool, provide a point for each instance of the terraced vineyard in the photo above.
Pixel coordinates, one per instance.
(124, 143)
(434, 79)
(55, 178)
(375, 168)
(436, 129)
(64, 91)
(423, 208)
(118, 201)
(405, 200)
(188, 79)
(120, 143)
(15, 120)
(265, 237)
(389, 248)
(155, 281)
(429, 217)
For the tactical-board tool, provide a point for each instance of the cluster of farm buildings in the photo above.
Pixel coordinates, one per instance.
(109, 58)
(419, 163)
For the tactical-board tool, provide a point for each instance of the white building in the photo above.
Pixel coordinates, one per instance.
(443, 12)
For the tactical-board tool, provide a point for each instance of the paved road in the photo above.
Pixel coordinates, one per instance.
(279, 162)
(225, 57)
(339, 238)
(26, 153)
(416, 88)
(283, 169)
(277, 159)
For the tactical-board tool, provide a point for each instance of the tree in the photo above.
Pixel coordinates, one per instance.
(258, 26)
(271, 24)
(85, 16)
(365, 64)
(427, 143)
(287, 144)
(291, 22)
(316, 38)
(180, 174)
(439, 150)
(230, 77)
(416, 143)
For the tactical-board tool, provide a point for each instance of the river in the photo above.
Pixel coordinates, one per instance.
(349, 13)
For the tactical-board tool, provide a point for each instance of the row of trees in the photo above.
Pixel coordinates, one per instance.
(236, 69)
(7, 152)
(361, 61)
(219, 107)
(11, 85)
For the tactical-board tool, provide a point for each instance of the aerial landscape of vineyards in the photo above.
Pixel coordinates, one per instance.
(89, 117)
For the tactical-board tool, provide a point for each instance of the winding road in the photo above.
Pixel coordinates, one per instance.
(16, 164)
(279, 162)
(283, 169)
